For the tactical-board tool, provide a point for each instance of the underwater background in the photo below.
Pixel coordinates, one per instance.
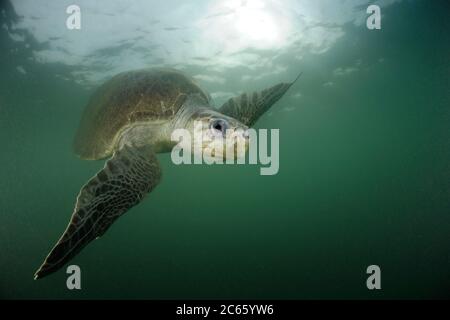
(364, 150)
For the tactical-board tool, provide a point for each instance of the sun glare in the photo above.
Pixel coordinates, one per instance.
(254, 22)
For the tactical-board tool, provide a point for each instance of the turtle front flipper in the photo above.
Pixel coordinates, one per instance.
(248, 107)
(127, 177)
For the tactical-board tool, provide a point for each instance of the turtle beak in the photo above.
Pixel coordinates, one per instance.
(246, 134)
(246, 138)
(240, 138)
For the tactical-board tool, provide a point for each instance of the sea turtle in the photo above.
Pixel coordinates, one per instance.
(129, 119)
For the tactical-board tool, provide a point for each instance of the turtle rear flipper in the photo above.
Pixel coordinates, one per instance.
(127, 177)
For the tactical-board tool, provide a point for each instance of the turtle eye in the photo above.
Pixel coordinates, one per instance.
(219, 125)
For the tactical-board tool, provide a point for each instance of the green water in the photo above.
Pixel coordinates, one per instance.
(364, 174)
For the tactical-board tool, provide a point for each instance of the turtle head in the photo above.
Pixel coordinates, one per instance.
(220, 136)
